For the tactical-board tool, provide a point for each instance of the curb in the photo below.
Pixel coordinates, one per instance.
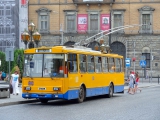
(18, 102)
(143, 86)
(35, 100)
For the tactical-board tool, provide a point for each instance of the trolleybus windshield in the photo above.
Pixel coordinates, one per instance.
(44, 65)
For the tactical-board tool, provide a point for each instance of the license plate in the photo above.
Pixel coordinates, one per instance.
(42, 88)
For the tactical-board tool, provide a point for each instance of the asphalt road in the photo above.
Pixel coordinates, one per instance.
(141, 106)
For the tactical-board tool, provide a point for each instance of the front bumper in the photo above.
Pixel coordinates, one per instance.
(45, 96)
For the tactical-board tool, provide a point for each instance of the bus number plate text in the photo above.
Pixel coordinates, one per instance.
(41, 88)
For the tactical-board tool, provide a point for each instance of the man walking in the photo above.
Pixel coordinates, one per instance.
(131, 84)
(14, 82)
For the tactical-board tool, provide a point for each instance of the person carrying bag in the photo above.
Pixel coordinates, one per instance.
(14, 82)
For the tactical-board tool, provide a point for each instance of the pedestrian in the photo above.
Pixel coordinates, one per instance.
(137, 82)
(131, 85)
(14, 82)
(3, 75)
(134, 82)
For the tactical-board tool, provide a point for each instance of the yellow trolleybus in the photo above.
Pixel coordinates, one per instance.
(68, 72)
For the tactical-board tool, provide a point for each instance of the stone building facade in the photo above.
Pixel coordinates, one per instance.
(9, 35)
(58, 23)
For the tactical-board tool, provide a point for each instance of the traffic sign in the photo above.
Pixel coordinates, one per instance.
(128, 62)
(143, 57)
(9, 52)
(142, 63)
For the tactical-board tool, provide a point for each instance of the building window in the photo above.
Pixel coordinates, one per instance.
(117, 19)
(43, 20)
(94, 23)
(147, 56)
(1, 10)
(146, 19)
(8, 30)
(71, 23)
(1, 30)
(8, 10)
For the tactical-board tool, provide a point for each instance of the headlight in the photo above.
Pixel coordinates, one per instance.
(56, 88)
(28, 88)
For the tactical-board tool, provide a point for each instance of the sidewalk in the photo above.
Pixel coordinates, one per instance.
(144, 84)
(17, 99)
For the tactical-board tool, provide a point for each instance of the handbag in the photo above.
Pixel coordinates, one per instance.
(11, 89)
(134, 82)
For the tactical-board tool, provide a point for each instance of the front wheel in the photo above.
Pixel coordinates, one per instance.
(43, 100)
(81, 96)
(110, 92)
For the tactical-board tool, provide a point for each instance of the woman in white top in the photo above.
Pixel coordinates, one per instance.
(14, 82)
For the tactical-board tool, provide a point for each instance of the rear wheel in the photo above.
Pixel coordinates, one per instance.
(81, 96)
(43, 100)
(110, 93)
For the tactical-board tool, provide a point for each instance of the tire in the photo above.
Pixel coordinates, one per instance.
(81, 96)
(110, 93)
(43, 100)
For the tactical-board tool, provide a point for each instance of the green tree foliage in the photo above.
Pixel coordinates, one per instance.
(18, 62)
(3, 62)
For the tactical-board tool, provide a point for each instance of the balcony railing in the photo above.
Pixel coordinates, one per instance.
(93, 1)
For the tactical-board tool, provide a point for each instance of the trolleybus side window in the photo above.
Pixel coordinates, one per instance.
(90, 63)
(121, 65)
(98, 64)
(53, 65)
(117, 65)
(105, 64)
(72, 62)
(111, 65)
(82, 63)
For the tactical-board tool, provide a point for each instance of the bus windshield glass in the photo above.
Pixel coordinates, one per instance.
(44, 65)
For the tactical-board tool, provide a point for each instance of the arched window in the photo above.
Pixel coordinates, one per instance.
(146, 53)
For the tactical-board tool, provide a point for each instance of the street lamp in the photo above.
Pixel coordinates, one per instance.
(27, 38)
(36, 37)
(103, 48)
(108, 48)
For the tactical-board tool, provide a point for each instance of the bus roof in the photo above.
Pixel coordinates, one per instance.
(68, 49)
